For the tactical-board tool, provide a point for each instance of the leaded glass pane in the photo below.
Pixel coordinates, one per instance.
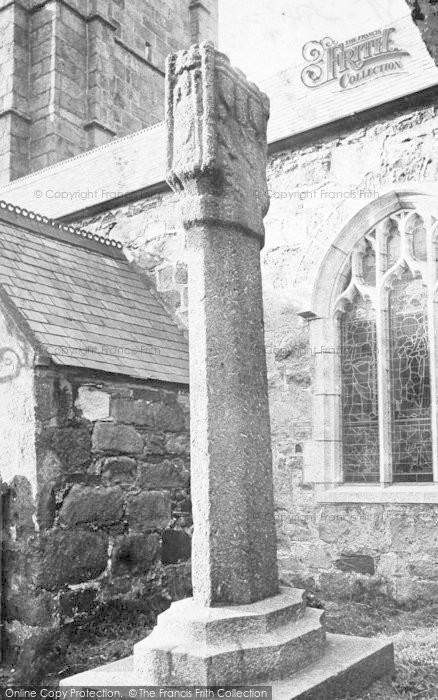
(415, 227)
(369, 266)
(410, 381)
(393, 243)
(360, 438)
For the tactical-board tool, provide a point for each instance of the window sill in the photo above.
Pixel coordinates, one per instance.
(399, 493)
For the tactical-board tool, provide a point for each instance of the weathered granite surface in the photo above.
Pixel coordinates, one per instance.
(217, 162)
(260, 642)
(348, 665)
(217, 151)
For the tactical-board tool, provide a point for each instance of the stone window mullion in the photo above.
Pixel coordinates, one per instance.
(326, 432)
(433, 336)
(383, 359)
(337, 404)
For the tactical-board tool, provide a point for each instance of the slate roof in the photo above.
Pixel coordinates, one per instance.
(83, 303)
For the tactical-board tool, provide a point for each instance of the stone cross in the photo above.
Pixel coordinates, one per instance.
(238, 628)
(217, 154)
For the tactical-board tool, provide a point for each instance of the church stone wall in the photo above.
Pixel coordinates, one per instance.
(75, 74)
(340, 550)
(108, 66)
(107, 526)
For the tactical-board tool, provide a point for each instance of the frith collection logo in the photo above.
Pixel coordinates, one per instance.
(352, 62)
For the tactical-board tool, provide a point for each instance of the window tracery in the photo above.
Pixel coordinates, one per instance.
(385, 317)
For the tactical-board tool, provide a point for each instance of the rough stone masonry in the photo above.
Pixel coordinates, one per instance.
(108, 526)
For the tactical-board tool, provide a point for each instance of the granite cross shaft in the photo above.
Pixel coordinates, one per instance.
(217, 162)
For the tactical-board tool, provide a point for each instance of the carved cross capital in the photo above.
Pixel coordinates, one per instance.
(217, 150)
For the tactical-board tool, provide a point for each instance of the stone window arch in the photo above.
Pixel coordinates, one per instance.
(373, 334)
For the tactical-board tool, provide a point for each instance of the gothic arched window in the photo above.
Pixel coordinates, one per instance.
(385, 319)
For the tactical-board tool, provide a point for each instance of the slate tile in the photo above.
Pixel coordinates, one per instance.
(76, 299)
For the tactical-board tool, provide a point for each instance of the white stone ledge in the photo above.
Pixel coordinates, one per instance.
(399, 493)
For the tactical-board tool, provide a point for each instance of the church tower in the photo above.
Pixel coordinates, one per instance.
(74, 74)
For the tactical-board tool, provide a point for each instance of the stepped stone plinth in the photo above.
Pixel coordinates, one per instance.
(255, 643)
(239, 628)
(347, 666)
